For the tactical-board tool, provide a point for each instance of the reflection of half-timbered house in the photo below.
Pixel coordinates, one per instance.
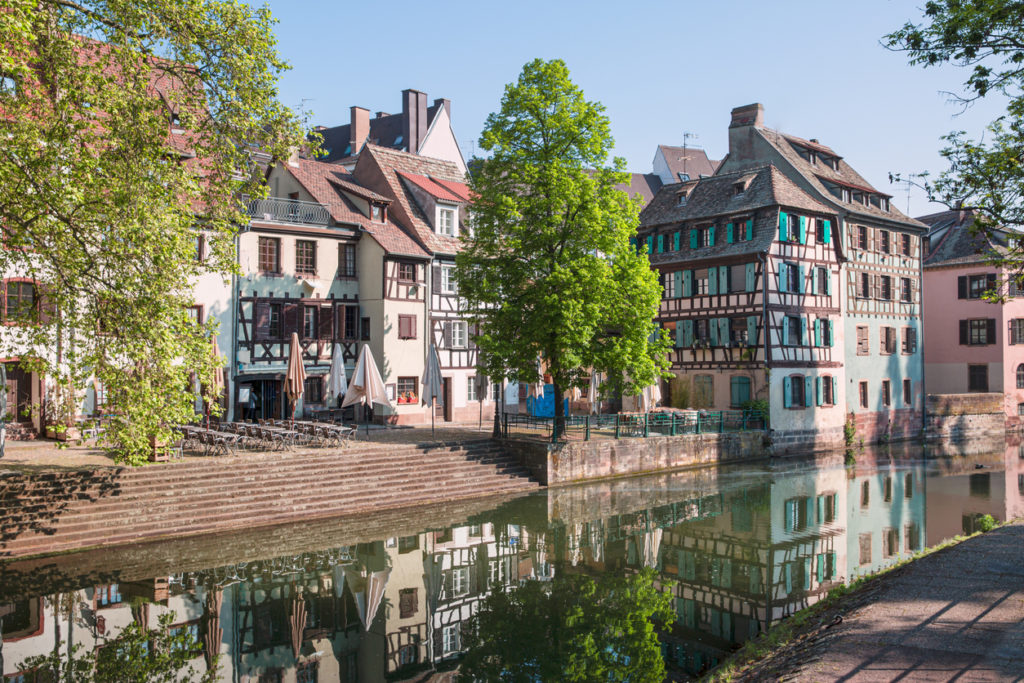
(881, 274)
(740, 254)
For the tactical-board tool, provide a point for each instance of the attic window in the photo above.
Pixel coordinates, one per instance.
(741, 185)
(684, 176)
(399, 139)
(682, 199)
(377, 213)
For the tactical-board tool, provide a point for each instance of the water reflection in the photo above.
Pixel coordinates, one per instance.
(738, 548)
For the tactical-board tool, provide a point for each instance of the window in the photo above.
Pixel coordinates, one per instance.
(406, 388)
(407, 603)
(796, 384)
(471, 389)
(739, 331)
(865, 493)
(406, 326)
(705, 236)
(457, 336)
(270, 254)
(346, 260)
(864, 540)
(978, 332)
(890, 542)
(821, 285)
(862, 237)
(792, 331)
(199, 241)
(909, 340)
(864, 286)
(1020, 408)
(305, 257)
(704, 391)
(905, 291)
(195, 314)
(313, 390)
(819, 230)
(668, 284)
(309, 330)
(883, 242)
(886, 393)
(977, 378)
(450, 639)
(796, 514)
(827, 507)
(908, 485)
(364, 329)
(905, 244)
(448, 279)
(974, 286)
(738, 277)
(886, 288)
(863, 340)
(446, 221)
(739, 391)
(827, 386)
(824, 330)
(459, 581)
(407, 272)
(910, 536)
(862, 390)
(792, 278)
(908, 394)
(20, 301)
(496, 391)
(793, 229)
(1017, 331)
(887, 337)
(107, 594)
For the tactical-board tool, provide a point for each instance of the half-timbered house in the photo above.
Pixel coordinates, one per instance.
(750, 275)
(881, 274)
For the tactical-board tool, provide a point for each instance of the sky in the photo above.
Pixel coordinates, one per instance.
(662, 70)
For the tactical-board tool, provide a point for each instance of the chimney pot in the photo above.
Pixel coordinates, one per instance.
(748, 115)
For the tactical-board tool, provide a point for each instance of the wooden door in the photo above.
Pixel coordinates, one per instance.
(446, 391)
(19, 393)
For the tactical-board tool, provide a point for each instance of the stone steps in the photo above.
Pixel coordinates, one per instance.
(60, 511)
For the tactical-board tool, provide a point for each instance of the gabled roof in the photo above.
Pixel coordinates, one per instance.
(358, 190)
(381, 169)
(460, 190)
(953, 243)
(690, 160)
(644, 184)
(434, 189)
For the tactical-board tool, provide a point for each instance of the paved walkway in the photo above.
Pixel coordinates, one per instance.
(956, 615)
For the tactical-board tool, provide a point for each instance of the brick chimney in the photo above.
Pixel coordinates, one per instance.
(359, 128)
(414, 118)
(741, 132)
(442, 102)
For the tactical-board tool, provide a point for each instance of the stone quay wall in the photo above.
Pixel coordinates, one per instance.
(965, 416)
(575, 461)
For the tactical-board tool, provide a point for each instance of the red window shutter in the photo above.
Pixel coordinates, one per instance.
(401, 327)
(963, 332)
(261, 325)
(990, 330)
(327, 322)
(961, 287)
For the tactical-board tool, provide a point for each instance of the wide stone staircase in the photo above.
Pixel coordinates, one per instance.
(66, 510)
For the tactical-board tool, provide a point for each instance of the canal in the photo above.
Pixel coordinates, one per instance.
(386, 597)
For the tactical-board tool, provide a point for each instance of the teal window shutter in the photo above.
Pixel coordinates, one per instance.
(807, 573)
(835, 390)
(831, 566)
(713, 329)
(819, 394)
(712, 281)
(831, 337)
(828, 281)
(782, 277)
(632, 242)
(689, 567)
(785, 331)
(752, 329)
(828, 232)
(723, 331)
(687, 283)
(821, 508)
(787, 401)
(808, 402)
(789, 577)
(750, 229)
(650, 244)
(677, 282)
(803, 331)
(661, 244)
(727, 618)
(687, 333)
(800, 279)
(676, 240)
(728, 233)
(821, 568)
(751, 277)
(711, 236)
(693, 238)
(723, 279)
(803, 229)
(755, 579)
(726, 581)
(817, 331)
(783, 219)
(789, 512)
(679, 335)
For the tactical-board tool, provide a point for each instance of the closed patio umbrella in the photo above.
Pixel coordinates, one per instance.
(649, 397)
(592, 393)
(295, 380)
(297, 618)
(217, 386)
(367, 386)
(213, 634)
(337, 385)
(432, 383)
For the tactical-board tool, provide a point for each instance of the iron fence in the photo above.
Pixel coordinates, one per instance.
(630, 425)
(289, 211)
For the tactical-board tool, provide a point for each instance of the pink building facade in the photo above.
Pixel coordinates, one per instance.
(972, 345)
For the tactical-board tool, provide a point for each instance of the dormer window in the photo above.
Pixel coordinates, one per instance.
(682, 199)
(446, 220)
(684, 177)
(378, 213)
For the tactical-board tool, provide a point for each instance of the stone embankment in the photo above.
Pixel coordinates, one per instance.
(956, 614)
(47, 512)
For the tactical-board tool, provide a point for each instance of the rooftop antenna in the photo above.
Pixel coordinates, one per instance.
(905, 185)
(686, 136)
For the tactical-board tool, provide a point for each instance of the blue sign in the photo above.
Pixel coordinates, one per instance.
(544, 406)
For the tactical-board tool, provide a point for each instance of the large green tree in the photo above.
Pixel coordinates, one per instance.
(549, 274)
(986, 37)
(127, 127)
(574, 628)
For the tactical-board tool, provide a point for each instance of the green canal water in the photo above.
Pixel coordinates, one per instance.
(387, 597)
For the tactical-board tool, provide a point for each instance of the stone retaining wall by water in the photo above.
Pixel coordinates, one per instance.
(965, 416)
(564, 463)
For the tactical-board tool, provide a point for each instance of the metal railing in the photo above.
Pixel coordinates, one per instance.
(289, 211)
(629, 425)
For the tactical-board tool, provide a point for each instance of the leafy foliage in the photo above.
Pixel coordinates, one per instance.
(549, 273)
(574, 628)
(127, 128)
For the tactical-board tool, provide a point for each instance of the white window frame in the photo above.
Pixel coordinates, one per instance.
(450, 639)
(471, 388)
(459, 331)
(448, 220)
(460, 581)
(448, 285)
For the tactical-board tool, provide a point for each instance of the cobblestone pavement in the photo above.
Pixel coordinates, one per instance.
(955, 615)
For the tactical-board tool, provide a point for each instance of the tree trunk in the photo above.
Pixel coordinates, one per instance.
(499, 408)
(557, 428)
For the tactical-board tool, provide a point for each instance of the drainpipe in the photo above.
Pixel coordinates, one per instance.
(762, 257)
(234, 325)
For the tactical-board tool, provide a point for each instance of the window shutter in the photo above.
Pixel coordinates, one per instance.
(723, 331)
(831, 333)
(713, 330)
(782, 277)
(827, 232)
(650, 244)
(261, 326)
(817, 331)
(327, 322)
(990, 281)
(661, 244)
(435, 279)
(828, 282)
(751, 274)
(803, 331)
(632, 243)
(687, 283)
(820, 573)
(447, 335)
(990, 330)
(750, 229)
(712, 281)
(800, 277)
(961, 287)
(676, 240)
(963, 332)
(808, 402)
(679, 334)
(292, 319)
(783, 219)
(693, 238)
(401, 327)
(687, 333)
(711, 236)
(677, 284)
(785, 331)
(1011, 333)
(803, 229)
(729, 233)
(723, 279)
(787, 401)
(835, 390)
(752, 329)
(819, 395)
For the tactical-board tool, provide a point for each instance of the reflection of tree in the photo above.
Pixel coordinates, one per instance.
(574, 628)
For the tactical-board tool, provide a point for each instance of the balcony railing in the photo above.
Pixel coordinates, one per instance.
(289, 211)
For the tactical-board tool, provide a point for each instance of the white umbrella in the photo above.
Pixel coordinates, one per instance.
(295, 379)
(649, 397)
(432, 383)
(337, 385)
(367, 386)
(592, 393)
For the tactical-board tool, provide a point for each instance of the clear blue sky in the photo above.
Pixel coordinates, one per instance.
(661, 69)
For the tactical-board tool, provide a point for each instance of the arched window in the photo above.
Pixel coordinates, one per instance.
(1020, 376)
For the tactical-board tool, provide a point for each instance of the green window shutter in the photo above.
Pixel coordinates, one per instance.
(711, 236)
(821, 510)
(831, 333)
(679, 334)
(713, 329)
(751, 277)
(676, 240)
(788, 570)
(808, 402)
(828, 281)
(693, 238)
(803, 331)
(650, 244)
(817, 332)
(783, 218)
(752, 330)
(723, 331)
(819, 393)
(727, 621)
(750, 229)
(728, 233)
(661, 244)
(835, 390)
(785, 331)
(800, 280)
(690, 566)
(831, 566)
(726, 579)
(782, 277)
(687, 333)
(803, 229)
(632, 242)
(677, 283)
(789, 510)
(712, 281)
(787, 401)
(687, 283)
(821, 568)
(807, 573)
(828, 232)
(723, 279)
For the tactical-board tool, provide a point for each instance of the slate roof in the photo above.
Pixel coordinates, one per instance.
(644, 184)
(696, 163)
(381, 169)
(713, 198)
(385, 131)
(815, 173)
(956, 245)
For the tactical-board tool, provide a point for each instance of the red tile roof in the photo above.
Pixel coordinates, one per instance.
(432, 188)
(459, 189)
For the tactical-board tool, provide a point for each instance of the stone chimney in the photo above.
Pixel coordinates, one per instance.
(741, 132)
(414, 118)
(442, 102)
(359, 128)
